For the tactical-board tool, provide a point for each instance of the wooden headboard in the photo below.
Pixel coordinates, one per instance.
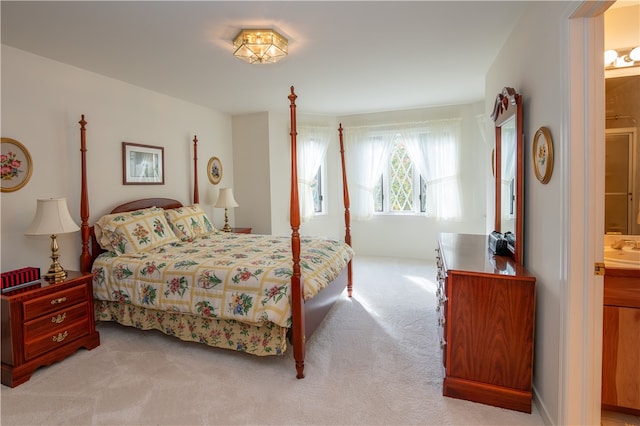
(164, 203)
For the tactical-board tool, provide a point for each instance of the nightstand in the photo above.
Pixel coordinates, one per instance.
(241, 230)
(45, 323)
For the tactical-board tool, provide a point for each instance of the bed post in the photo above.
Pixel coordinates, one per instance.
(196, 191)
(85, 256)
(347, 214)
(297, 301)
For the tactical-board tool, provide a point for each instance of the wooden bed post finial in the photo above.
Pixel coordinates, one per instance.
(297, 300)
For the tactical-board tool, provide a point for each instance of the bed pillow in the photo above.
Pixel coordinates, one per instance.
(132, 232)
(189, 222)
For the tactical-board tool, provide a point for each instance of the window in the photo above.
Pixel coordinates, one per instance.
(408, 168)
(400, 188)
(312, 148)
(317, 189)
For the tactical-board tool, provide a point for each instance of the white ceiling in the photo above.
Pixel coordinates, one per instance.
(344, 57)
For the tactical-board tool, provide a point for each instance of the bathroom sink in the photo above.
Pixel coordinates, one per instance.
(626, 257)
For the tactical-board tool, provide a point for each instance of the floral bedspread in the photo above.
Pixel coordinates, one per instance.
(243, 277)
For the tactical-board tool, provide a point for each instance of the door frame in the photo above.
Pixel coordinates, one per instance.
(583, 217)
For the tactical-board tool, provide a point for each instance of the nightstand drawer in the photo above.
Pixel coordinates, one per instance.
(56, 338)
(47, 324)
(54, 302)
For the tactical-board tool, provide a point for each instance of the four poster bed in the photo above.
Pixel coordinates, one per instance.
(161, 265)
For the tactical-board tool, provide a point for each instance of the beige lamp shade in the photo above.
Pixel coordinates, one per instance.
(225, 199)
(52, 218)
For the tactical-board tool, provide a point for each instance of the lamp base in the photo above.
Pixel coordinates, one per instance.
(55, 273)
(226, 227)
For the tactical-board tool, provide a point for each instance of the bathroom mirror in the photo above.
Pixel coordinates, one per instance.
(509, 175)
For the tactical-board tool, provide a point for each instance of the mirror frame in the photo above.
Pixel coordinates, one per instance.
(509, 104)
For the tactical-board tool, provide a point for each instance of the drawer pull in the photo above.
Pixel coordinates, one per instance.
(59, 300)
(441, 321)
(443, 343)
(60, 337)
(59, 318)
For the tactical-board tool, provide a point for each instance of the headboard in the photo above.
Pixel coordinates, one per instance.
(164, 203)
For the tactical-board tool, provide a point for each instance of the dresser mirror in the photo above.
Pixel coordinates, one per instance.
(507, 116)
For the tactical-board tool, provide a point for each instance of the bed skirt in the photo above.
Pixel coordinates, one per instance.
(267, 339)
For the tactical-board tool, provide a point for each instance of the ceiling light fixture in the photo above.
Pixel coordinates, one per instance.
(622, 58)
(260, 46)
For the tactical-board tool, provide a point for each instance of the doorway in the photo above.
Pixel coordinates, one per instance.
(621, 186)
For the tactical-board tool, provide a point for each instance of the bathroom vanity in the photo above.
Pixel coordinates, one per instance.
(621, 340)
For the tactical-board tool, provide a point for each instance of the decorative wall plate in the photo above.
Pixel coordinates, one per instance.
(214, 170)
(15, 164)
(543, 155)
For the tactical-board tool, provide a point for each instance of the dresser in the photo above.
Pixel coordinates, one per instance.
(44, 323)
(486, 307)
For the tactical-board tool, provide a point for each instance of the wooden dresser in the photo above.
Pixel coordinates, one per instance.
(44, 323)
(486, 307)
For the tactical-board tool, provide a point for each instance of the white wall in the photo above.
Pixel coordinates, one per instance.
(252, 184)
(535, 71)
(42, 102)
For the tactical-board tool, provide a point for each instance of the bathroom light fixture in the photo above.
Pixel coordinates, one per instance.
(260, 46)
(622, 58)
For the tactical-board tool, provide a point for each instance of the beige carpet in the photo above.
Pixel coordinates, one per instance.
(374, 361)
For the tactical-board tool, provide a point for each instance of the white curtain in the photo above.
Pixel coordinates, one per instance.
(434, 150)
(367, 151)
(312, 149)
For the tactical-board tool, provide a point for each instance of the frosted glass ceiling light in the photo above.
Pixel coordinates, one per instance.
(260, 46)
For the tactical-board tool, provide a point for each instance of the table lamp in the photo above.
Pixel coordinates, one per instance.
(226, 201)
(52, 218)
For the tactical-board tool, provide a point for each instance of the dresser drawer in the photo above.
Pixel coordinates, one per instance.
(47, 324)
(54, 301)
(56, 338)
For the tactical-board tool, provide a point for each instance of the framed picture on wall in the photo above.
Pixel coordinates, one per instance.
(214, 170)
(15, 165)
(142, 164)
(543, 155)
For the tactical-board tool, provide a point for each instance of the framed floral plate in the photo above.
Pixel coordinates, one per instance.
(214, 170)
(543, 155)
(16, 166)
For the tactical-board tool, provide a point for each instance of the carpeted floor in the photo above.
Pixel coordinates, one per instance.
(374, 361)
